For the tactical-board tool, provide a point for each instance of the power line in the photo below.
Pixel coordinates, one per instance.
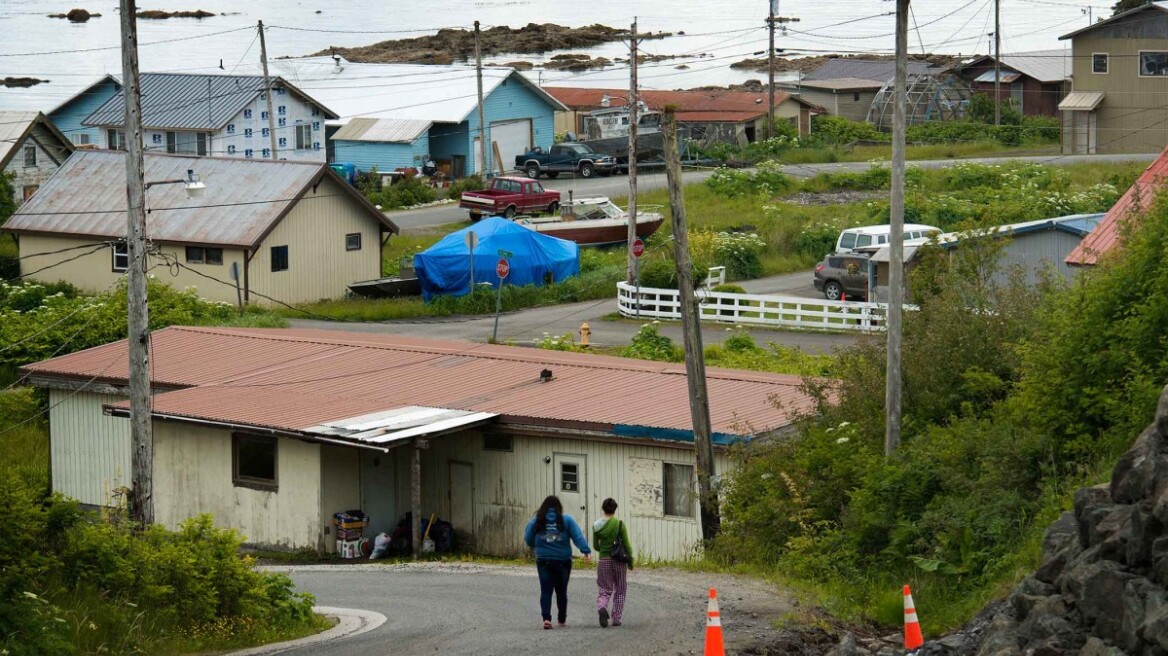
(119, 47)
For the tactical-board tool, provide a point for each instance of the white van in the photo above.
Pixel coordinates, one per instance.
(855, 238)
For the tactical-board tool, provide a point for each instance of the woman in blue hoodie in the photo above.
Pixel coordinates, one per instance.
(548, 533)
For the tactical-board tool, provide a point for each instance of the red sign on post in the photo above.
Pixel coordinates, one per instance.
(502, 268)
(638, 248)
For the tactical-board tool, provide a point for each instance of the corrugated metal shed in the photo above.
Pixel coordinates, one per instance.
(185, 101)
(15, 126)
(866, 69)
(243, 200)
(1133, 203)
(294, 380)
(385, 130)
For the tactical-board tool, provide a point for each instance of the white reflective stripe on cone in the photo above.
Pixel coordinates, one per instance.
(908, 602)
(910, 618)
(714, 621)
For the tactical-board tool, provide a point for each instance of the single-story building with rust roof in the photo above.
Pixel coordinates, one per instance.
(273, 431)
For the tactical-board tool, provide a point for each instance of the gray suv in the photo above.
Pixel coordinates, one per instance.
(838, 275)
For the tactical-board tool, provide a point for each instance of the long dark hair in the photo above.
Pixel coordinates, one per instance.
(550, 503)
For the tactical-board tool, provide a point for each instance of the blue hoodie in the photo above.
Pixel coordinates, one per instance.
(553, 544)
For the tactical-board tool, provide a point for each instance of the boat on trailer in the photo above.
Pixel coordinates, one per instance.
(595, 221)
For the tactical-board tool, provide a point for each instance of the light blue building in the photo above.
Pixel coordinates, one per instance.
(70, 115)
(406, 112)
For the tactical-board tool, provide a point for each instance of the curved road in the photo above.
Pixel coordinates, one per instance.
(617, 185)
(488, 609)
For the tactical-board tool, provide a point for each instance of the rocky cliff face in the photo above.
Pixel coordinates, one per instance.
(1102, 587)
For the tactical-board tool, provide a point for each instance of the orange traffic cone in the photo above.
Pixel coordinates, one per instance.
(714, 644)
(843, 297)
(912, 628)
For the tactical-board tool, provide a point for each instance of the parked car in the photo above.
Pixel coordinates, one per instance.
(508, 197)
(839, 275)
(573, 157)
(851, 239)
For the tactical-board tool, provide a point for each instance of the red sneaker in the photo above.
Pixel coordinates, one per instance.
(547, 624)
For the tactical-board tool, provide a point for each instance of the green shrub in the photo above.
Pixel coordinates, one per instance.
(767, 180)
(469, 183)
(649, 344)
(405, 192)
(835, 130)
(729, 288)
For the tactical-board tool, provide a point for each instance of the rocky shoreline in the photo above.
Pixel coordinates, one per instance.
(808, 64)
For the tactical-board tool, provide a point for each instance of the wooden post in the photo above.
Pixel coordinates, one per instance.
(997, 62)
(138, 320)
(892, 390)
(482, 120)
(770, 125)
(416, 497)
(631, 274)
(691, 330)
(267, 89)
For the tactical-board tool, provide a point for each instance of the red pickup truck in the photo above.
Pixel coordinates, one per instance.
(508, 197)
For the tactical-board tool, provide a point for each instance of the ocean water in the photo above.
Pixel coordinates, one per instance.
(717, 33)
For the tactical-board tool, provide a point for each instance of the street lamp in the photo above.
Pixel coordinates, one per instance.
(194, 186)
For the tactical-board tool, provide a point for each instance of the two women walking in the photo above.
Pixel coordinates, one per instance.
(551, 533)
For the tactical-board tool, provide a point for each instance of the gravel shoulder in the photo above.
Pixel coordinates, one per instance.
(494, 609)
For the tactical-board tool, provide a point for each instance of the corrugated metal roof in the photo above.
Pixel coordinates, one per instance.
(243, 198)
(695, 105)
(1134, 202)
(1081, 101)
(13, 127)
(1075, 224)
(390, 130)
(841, 84)
(1042, 65)
(424, 92)
(191, 101)
(292, 379)
(1007, 77)
(400, 424)
(866, 69)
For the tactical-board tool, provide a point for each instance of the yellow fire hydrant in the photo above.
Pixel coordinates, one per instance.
(585, 331)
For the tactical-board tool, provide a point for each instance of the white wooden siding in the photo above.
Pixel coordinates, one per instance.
(89, 452)
(319, 267)
(193, 475)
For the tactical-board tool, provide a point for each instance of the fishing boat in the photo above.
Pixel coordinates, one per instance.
(595, 221)
(607, 131)
(404, 284)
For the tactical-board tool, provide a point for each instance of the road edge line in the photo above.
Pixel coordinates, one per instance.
(351, 622)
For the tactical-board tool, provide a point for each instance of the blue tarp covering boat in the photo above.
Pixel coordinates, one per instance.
(536, 259)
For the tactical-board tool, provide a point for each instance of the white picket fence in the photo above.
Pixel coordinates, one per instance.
(754, 309)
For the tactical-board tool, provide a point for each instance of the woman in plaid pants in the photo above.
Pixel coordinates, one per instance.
(611, 576)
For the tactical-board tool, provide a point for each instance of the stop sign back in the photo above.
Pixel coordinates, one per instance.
(502, 268)
(638, 248)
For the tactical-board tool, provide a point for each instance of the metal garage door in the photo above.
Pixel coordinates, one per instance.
(512, 138)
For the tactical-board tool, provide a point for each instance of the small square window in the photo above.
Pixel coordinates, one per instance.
(30, 156)
(254, 462)
(116, 139)
(203, 255)
(279, 258)
(81, 138)
(353, 241)
(677, 489)
(498, 443)
(1099, 62)
(121, 257)
(856, 96)
(569, 477)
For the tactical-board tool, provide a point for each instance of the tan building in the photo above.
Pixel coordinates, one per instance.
(1119, 97)
(31, 151)
(262, 231)
(273, 431)
(849, 97)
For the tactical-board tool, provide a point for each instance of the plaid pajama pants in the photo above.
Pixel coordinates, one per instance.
(610, 579)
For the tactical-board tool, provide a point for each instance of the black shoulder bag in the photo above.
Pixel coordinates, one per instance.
(619, 552)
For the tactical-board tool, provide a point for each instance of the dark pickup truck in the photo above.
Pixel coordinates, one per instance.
(508, 197)
(575, 158)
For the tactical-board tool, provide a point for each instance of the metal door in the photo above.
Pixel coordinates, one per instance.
(571, 488)
(462, 503)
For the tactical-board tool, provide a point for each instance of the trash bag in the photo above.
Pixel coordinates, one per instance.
(443, 536)
(380, 546)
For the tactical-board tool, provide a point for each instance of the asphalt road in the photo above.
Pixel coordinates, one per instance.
(526, 326)
(474, 609)
(618, 185)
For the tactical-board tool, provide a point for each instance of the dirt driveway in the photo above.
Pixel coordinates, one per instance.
(493, 609)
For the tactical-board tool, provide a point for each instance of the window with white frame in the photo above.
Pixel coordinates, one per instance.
(29, 156)
(81, 138)
(115, 139)
(1153, 63)
(677, 489)
(1100, 62)
(188, 143)
(121, 255)
(303, 137)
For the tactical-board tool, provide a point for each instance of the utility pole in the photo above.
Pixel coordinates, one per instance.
(997, 62)
(267, 89)
(631, 276)
(482, 120)
(138, 324)
(772, 20)
(695, 364)
(892, 390)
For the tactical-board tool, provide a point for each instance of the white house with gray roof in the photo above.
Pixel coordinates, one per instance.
(218, 115)
(31, 151)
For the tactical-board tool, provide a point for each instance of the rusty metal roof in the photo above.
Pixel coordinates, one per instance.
(244, 198)
(1133, 203)
(388, 130)
(298, 380)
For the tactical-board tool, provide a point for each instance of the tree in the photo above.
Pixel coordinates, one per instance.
(1126, 5)
(7, 198)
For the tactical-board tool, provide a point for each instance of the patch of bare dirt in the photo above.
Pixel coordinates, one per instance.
(448, 46)
(841, 197)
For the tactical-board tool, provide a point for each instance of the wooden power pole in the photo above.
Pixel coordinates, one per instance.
(997, 62)
(268, 89)
(138, 324)
(772, 20)
(483, 150)
(631, 276)
(695, 364)
(892, 391)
